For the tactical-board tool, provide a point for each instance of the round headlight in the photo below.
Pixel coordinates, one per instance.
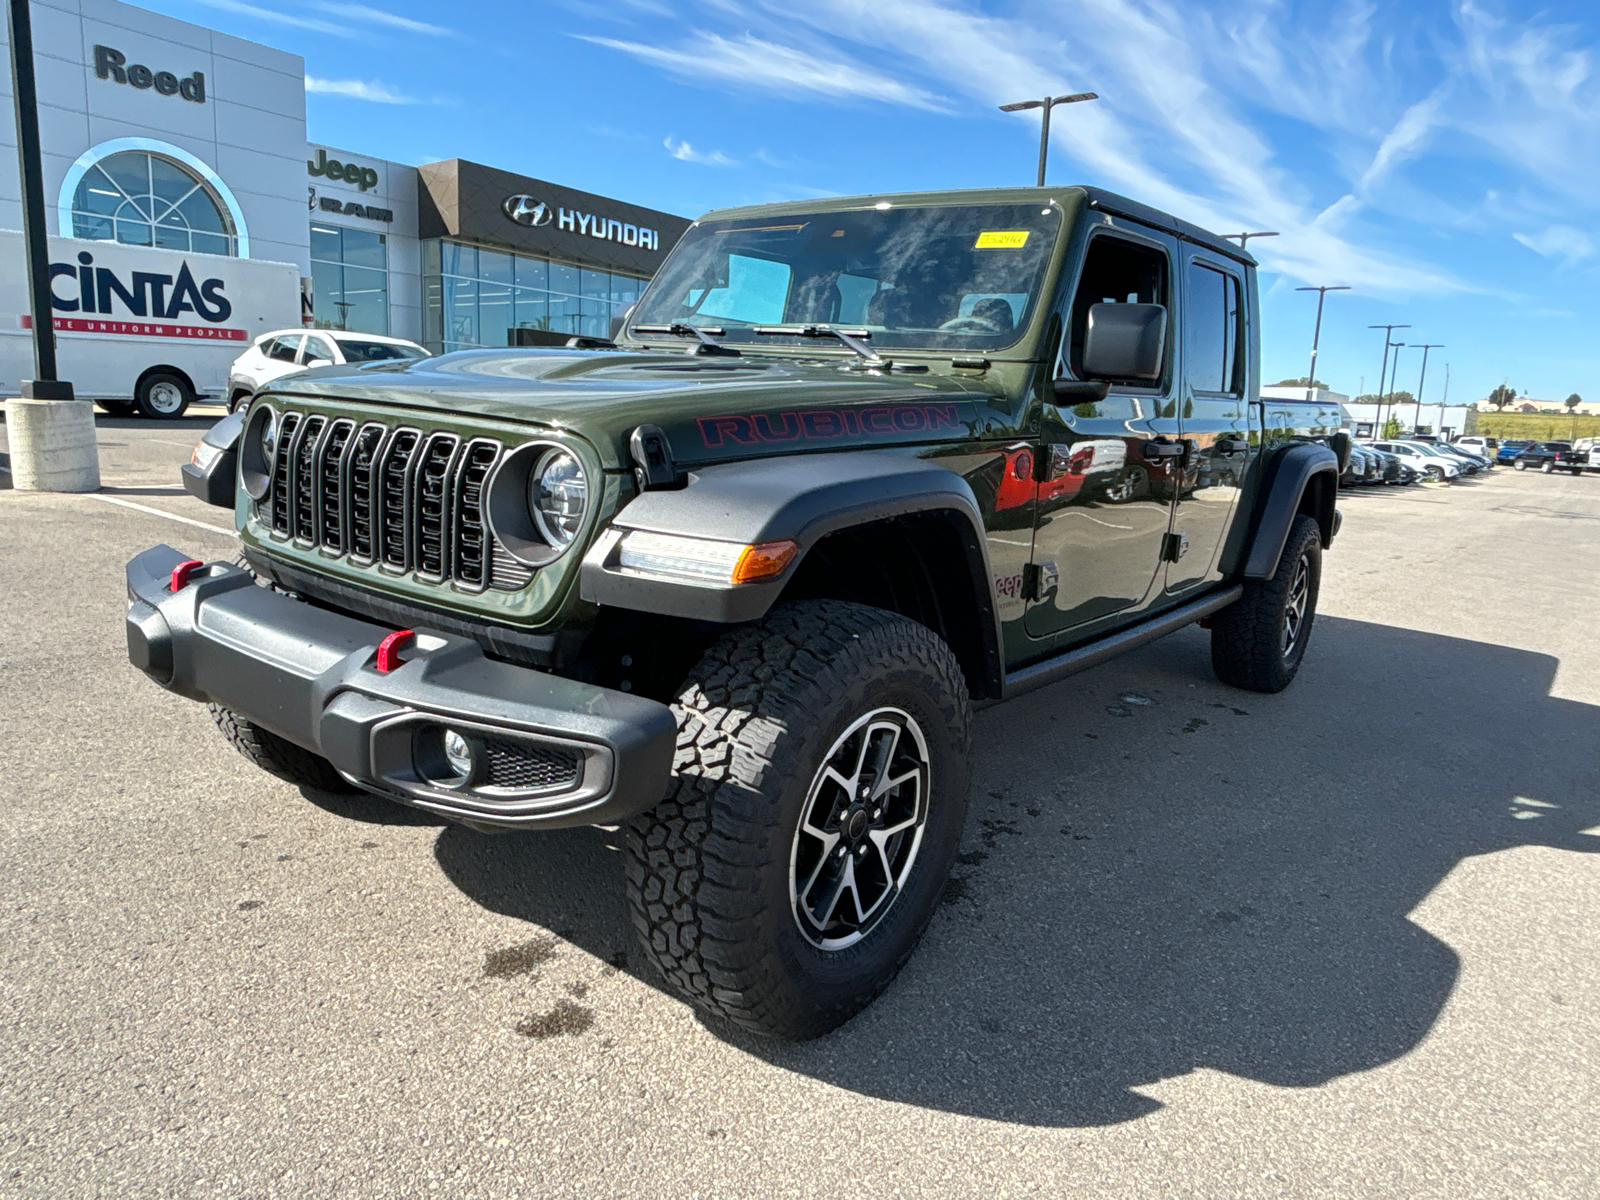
(269, 435)
(558, 493)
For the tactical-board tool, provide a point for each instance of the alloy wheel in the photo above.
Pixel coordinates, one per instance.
(860, 829)
(1294, 611)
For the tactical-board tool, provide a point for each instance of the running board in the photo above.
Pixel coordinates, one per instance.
(1081, 658)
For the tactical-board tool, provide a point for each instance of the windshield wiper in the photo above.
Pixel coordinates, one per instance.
(706, 336)
(848, 336)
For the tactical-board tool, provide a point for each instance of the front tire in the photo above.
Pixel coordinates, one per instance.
(1520, 465)
(819, 793)
(1547, 467)
(163, 395)
(1259, 641)
(277, 756)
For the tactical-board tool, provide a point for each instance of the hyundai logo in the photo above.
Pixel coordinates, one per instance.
(525, 210)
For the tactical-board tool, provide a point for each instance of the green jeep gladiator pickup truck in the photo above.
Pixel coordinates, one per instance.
(736, 581)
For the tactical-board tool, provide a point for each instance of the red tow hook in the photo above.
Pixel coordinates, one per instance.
(389, 650)
(181, 573)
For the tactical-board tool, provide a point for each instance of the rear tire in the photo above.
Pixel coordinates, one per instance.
(163, 395)
(1259, 641)
(1547, 467)
(277, 756)
(726, 875)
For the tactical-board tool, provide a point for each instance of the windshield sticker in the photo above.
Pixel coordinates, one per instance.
(822, 425)
(1002, 239)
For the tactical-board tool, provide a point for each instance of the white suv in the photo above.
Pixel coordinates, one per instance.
(286, 351)
(1433, 464)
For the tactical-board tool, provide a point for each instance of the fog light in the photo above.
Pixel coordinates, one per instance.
(458, 753)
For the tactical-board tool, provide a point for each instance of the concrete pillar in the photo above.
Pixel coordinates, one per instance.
(52, 445)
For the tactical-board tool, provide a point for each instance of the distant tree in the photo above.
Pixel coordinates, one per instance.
(1502, 396)
(1391, 429)
(1301, 381)
(1387, 398)
(1572, 402)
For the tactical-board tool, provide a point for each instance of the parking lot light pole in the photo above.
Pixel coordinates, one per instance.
(1244, 238)
(1388, 332)
(1047, 104)
(1425, 347)
(50, 434)
(1316, 333)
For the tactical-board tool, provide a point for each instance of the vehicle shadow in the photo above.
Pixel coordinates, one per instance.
(1211, 879)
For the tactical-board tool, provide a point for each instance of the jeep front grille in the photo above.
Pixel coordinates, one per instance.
(408, 500)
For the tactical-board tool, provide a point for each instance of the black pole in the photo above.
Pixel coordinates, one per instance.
(44, 385)
(1044, 138)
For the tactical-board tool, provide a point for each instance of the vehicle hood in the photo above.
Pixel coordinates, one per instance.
(711, 408)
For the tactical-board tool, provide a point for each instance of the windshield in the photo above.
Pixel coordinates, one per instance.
(358, 351)
(955, 277)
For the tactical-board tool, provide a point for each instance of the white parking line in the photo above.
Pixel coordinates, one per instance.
(156, 512)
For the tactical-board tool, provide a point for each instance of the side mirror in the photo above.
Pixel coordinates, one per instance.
(1125, 341)
(318, 362)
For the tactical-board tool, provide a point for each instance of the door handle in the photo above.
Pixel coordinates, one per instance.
(1163, 449)
(1232, 445)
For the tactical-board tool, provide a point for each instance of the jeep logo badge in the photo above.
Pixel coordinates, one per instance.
(525, 210)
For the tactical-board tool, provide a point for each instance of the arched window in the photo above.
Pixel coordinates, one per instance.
(144, 197)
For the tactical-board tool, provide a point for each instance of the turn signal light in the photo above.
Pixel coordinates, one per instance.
(764, 561)
(389, 650)
(181, 573)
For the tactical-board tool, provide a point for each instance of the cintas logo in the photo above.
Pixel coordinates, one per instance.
(151, 294)
(525, 210)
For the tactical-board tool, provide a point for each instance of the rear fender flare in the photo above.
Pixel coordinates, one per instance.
(1294, 472)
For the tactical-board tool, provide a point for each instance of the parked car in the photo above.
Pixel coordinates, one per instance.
(1356, 468)
(1476, 462)
(1509, 451)
(1394, 471)
(1437, 467)
(1468, 465)
(1485, 446)
(285, 351)
(1549, 457)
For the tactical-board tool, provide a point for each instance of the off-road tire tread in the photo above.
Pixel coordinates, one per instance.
(693, 861)
(1246, 645)
(276, 755)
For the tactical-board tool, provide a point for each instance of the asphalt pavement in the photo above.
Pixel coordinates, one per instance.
(1336, 942)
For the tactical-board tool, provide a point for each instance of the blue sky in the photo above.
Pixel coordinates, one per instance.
(1442, 158)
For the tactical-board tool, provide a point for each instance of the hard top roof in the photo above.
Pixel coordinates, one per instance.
(1096, 198)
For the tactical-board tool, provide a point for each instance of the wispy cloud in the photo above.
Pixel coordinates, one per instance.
(274, 17)
(1559, 241)
(684, 152)
(358, 89)
(772, 67)
(377, 16)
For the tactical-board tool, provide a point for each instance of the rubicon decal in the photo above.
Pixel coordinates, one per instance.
(828, 424)
(151, 294)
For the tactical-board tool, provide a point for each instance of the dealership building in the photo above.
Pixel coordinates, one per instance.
(164, 138)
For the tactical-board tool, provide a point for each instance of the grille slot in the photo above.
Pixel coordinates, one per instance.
(363, 463)
(278, 518)
(469, 544)
(514, 765)
(394, 484)
(432, 490)
(409, 499)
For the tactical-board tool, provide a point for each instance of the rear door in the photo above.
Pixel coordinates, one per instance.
(278, 356)
(1215, 417)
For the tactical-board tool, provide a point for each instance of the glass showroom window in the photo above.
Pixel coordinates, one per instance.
(480, 297)
(144, 199)
(350, 278)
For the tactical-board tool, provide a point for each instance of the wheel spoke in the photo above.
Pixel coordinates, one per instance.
(885, 786)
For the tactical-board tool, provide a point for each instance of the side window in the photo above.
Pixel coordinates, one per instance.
(317, 347)
(1115, 271)
(283, 349)
(1213, 328)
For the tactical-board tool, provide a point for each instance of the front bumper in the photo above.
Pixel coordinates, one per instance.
(549, 752)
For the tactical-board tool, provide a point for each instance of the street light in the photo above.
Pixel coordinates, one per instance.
(1425, 347)
(1244, 238)
(1316, 336)
(1047, 104)
(1388, 332)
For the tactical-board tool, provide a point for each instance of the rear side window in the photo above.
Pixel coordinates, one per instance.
(283, 349)
(355, 351)
(1213, 328)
